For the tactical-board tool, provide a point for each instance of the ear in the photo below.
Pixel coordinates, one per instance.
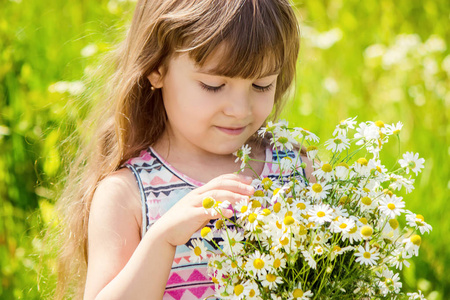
(156, 78)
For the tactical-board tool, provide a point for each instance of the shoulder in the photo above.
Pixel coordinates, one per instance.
(117, 197)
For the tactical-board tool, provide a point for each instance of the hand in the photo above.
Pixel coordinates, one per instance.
(188, 215)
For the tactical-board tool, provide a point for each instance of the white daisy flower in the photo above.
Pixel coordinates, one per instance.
(271, 280)
(232, 242)
(240, 291)
(321, 214)
(412, 162)
(283, 139)
(318, 191)
(338, 144)
(299, 294)
(286, 163)
(412, 244)
(365, 133)
(342, 225)
(352, 235)
(253, 220)
(391, 206)
(398, 181)
(367, 256)
(323, 170)
(309, 259)
(278, 261)
(389, 282)
(342, 170)
(270, 127)
(398, 258)
(308, 135)
(243, 155)
(198, 251)
(413, 296)
(219, 206)
(253, 291)
(242, 208)
(394, 129)
(418, 222)
(318, 250)
(344, 125)
(258, 263)
(311, 152)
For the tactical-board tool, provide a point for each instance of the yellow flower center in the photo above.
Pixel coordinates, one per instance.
(271, 277)
(258, 193)
(238, 289)
(267, 183)
(298, 293)
(278, 224)
(204, 232)
(219, 224)
(366, 231)
(363, 220)
(416, 239)
(316, 187)
(337, 141)
(320, 214)
(275, 191)
(244, 209)
(197, 251)
(252, 293)
(277, 263)
(393, 223)
(258, 263)
(266, 212)
(420, 217)
(343, 226)
(366, 200)
(342, 164)
(327, 168)
(283, 140)
(301, 206)
(362, 161)
(256, 204)
(284, 241)
(366, 254)
(311, 148)
(336, 248)
(214, 279)
(277, 207)
(302, 230)
(234, 265)
(343, 200)
(391, 206)
(353, 230)
(252, 217)
(379, 124)
(397, 131)
(288, 220)
(208, 202)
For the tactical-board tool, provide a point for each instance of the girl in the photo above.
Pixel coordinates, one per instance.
(194, 81)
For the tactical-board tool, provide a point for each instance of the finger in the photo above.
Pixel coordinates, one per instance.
(227, 183)
(224, 195)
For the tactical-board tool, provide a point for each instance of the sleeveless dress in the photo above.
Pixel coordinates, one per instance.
(161, 186)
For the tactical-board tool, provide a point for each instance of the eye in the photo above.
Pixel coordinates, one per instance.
(209, 88)
(263, 88)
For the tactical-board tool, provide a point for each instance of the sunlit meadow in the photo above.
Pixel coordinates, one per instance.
(378, 60)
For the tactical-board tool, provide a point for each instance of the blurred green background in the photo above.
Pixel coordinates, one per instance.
(376, 59)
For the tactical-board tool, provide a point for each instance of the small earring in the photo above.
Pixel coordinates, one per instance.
(152, 88)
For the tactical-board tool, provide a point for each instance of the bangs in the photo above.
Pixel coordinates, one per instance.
(254, 43)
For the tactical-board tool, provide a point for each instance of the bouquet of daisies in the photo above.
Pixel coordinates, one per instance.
(334, 235)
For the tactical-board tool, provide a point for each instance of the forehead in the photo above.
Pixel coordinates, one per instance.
(222, 61)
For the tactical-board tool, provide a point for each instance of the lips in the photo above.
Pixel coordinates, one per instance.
(231, 130)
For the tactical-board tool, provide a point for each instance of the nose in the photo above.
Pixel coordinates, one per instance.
(239, 106)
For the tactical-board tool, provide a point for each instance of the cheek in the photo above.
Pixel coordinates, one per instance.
(265, 106)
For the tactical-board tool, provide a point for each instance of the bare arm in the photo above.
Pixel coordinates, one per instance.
(123, 267)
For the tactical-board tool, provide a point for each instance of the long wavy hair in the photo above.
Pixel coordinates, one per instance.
(260, 37)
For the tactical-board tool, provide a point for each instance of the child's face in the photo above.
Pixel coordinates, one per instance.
(211, 113)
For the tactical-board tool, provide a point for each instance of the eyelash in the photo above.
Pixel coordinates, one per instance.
(215, 89)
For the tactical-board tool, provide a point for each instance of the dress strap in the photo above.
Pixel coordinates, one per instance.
(143, 200)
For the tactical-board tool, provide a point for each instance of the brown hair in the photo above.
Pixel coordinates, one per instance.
(260, 37)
